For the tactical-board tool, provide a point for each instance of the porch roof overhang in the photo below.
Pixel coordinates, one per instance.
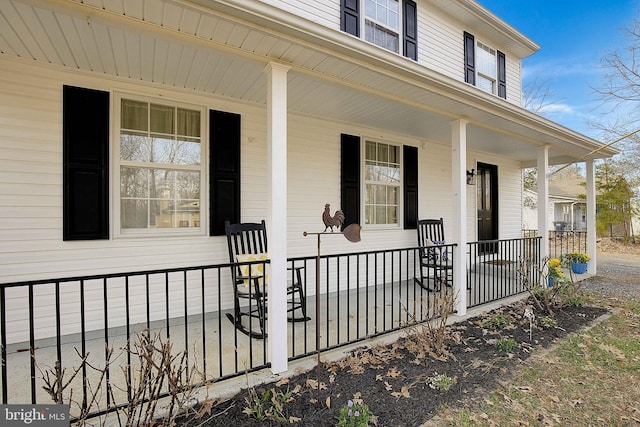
(222, 48)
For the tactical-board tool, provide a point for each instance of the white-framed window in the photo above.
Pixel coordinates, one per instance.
(382, 23)
(486, 68)
(382, 179)
(158, 166)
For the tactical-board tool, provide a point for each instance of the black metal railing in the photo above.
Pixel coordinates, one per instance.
(563, 242)
(46, 321)
(495, 268)
(361, 295)
(358, 296)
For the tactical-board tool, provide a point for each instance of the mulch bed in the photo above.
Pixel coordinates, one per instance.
(394, 380)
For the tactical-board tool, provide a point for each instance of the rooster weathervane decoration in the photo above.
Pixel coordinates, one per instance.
(332, 221)
(352, 234)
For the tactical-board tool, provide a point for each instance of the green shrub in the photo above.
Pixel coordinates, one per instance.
(507, 344)
(354, 415)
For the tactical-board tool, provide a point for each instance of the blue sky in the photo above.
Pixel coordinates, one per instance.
(573, 37)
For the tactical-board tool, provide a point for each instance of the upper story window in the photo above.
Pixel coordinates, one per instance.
(382, 23)
(485, 67)
(382, 183)
(160, 165)
(391, 24)
(486, 71)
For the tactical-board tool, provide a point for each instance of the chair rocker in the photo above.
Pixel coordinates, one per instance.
(247, 244)
(436, 267)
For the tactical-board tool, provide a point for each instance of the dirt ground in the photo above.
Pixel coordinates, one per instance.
(397, 381)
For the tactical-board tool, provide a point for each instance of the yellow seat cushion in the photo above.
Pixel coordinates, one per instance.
(256, 270)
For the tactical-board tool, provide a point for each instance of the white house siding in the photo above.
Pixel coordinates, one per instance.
(440, 44)
(323, 12)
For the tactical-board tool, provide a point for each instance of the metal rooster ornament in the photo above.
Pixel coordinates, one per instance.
(332, 221)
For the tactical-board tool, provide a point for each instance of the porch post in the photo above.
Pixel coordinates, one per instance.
(459, 216)
(591, 216)
(543, 200)
(277, 214)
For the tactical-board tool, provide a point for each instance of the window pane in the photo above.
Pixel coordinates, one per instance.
(188, 185)
(370, 9)
(369, 194)
(162, 212)
(392, 195)
(134, 147)
(380, 194)
(162, 119)
(381, 215)
(188, 122)
(394, 151)
(369, 215)
(383, 153)
(163, 184)
(392, 215)
(133, 115)
(370, 172)
(381, 14)
(134, 182)
(370, 151)
(485, 84)
(134, 213)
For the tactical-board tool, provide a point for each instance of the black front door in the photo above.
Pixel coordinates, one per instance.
(487, 188)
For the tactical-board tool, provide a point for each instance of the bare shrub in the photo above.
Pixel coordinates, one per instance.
(154, 373)
(430, 337)
(548, 297)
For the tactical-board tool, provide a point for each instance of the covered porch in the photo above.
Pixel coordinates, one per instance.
(362, 295)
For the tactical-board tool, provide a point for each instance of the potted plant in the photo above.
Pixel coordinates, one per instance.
(554, 273)
(577, 260)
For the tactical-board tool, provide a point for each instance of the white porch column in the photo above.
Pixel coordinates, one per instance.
(277, 214)
(591, 216)
(459, 216)
(543, 200)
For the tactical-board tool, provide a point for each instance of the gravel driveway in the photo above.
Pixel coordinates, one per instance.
(618, 275)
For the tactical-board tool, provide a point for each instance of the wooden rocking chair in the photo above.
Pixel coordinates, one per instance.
(436, 265)
(248, 253)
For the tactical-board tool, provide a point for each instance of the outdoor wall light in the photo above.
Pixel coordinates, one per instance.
(471, 177)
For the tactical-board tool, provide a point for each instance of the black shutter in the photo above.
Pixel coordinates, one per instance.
(502, 75)
(350, 17)
(85, 152)
(224, 175)
(469, 58)
(350, 178)
(410, 163)
(410, 30)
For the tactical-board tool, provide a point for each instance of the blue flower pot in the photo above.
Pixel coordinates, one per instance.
(550, 281)
(578, 267)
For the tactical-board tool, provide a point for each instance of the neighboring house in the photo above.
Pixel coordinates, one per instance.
(564, 213)
(131, 130)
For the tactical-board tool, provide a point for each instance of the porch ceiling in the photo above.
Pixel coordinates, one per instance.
(209, 47)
